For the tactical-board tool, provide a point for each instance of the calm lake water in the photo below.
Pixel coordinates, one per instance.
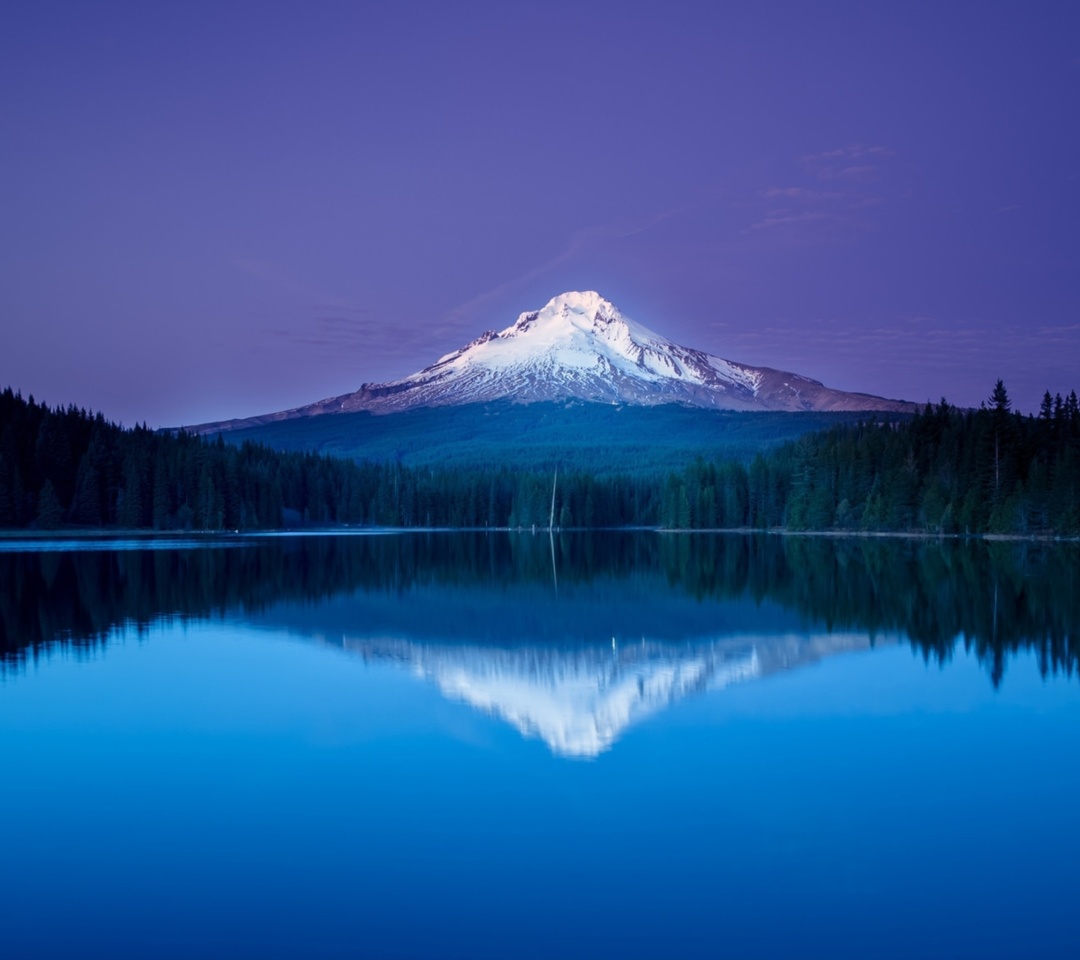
(493, 745)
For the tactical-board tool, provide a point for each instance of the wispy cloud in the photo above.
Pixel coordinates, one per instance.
(335, 336)
(798, 193)
(333, 327)
(856, 161)
(853, 151)
(838, 188)
(848, 173)
(916, 339)
(786, 219)
(580, 242)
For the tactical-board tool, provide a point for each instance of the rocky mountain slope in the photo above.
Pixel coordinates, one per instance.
(580, 347)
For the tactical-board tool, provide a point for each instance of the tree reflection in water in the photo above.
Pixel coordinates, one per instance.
(994, 598)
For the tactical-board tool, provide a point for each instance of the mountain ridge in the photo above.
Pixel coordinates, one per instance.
(579, 346)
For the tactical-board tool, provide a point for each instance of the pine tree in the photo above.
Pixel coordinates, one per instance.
(50, 513)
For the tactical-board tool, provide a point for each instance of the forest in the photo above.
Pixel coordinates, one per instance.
(637, 440)
(993, 598)
(944, 470)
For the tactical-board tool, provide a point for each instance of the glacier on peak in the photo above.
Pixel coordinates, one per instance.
(579, 346)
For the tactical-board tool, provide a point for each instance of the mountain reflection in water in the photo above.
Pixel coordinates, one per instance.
(577, 701)
(634, 622)
(580, 700)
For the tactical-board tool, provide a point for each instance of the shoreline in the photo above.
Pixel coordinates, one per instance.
(113, 533)
(880, 534)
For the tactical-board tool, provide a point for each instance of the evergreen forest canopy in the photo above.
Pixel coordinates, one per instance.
(943, 470)
(601, 439)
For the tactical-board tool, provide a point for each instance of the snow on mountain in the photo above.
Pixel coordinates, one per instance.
(579, 346)
(580, 700)
(580, 708)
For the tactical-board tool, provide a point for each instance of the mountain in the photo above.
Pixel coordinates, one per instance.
(580, 347)
(581, 699)
(579, 655)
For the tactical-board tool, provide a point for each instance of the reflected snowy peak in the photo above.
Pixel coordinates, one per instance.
(579, 703)
(581, 700)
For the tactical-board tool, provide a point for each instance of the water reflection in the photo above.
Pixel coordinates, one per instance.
(250, 786)
(451, 605)
(580, 700)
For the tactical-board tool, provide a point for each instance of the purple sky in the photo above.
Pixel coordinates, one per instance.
(226, 209)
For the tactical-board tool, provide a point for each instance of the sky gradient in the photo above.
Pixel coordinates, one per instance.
(228, 209)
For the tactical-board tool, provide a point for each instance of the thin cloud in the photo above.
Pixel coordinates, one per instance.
(798, 193)
(339, 334)
(338, 325)
(845, 184)
(1031, 359)
(854, 151)
(854, 161)
(579, 242)
(786, 220)
(919, 338)
(846, 173)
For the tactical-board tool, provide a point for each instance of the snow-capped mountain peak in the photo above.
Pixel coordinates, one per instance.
(578, 333)
(579, 346)
(570, 313)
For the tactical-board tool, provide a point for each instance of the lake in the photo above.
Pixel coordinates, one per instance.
(458, 745)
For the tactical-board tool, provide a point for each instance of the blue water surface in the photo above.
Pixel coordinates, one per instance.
(224, 786)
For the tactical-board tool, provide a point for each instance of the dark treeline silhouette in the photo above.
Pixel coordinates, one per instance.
(994, 598)
(66, 467)
(945, 470)
(942, 471)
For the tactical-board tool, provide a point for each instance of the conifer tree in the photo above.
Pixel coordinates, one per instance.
(49, 513)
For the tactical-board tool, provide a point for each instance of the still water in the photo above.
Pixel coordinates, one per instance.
(469, 745)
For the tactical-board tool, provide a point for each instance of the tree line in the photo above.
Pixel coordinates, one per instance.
(944, 470)
(994, 599)
(65, 467)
